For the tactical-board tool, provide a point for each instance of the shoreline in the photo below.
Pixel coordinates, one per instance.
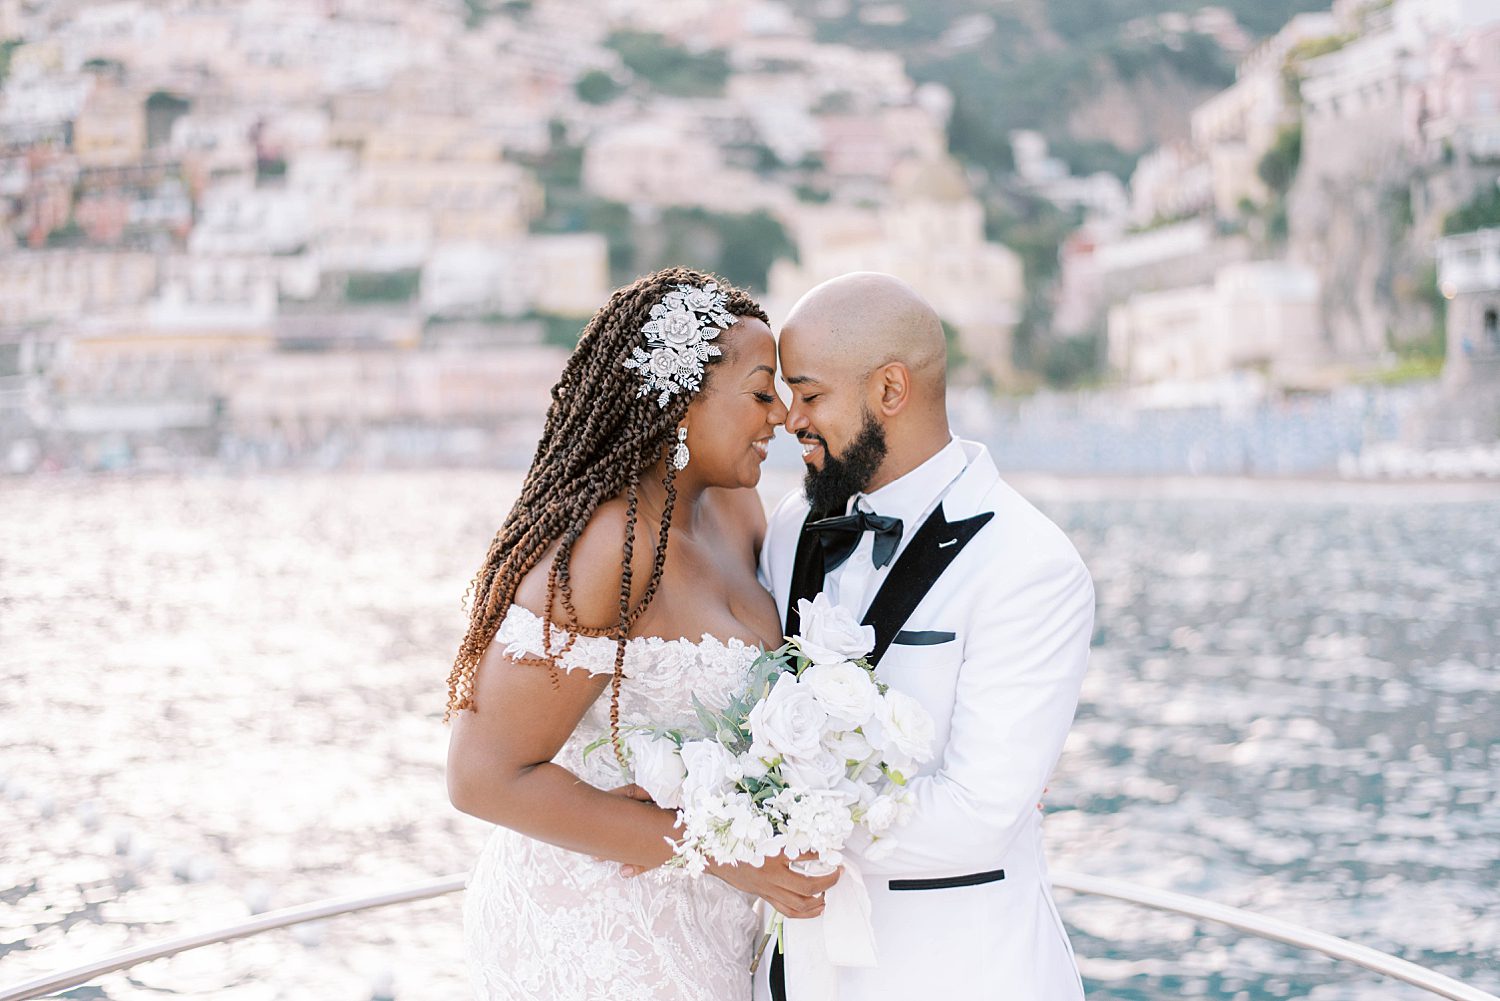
(775, 482)
(1327, 489)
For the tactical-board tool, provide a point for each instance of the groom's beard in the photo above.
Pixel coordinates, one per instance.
(829, 489)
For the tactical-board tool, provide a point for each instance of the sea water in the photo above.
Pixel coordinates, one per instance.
(220, 696)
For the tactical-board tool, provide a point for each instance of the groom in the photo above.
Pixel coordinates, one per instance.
(982, 611)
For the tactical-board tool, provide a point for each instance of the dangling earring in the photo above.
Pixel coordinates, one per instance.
(680, 454)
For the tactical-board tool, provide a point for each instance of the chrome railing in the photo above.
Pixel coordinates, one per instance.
(64, 979)
(1162, 900)
(1270, 928)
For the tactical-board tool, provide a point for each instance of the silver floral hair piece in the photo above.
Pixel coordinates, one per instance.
(678, 338)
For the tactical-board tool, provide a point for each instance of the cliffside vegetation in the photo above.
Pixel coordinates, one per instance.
(1481, 212)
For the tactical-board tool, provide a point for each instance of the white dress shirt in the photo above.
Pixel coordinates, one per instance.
(911, 497)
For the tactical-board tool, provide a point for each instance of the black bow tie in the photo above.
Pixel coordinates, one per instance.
(839, 537)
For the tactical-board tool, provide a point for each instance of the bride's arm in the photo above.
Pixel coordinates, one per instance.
(500, 769)
(500, 766)
(500, 754)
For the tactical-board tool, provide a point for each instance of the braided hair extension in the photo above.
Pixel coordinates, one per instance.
(600, 437)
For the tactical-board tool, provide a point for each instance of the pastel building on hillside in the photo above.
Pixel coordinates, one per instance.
(932, 237)
(1469, 278)
(564, 274)
(1454, 104)
(1234, 128)
(1171, 182)
(1260, 315)
(670, 161)
(51, 286)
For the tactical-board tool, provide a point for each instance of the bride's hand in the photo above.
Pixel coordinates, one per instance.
(775, 882)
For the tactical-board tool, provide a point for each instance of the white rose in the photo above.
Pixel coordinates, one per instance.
(888, 753)
(906, 803)
(821, 771)
(708, 765)
(873, 730)
(908, 728)
(700, 299)
(856, 795)
(830, 633)
(788, 720)
(844, 690)
(751, 766)
(679, 327)
(762, 752)
(657, 768)
(848, 745)
(882, 815)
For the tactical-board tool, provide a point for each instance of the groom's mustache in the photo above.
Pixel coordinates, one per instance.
(808, 436)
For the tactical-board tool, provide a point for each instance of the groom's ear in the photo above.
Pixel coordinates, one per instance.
(891, 385)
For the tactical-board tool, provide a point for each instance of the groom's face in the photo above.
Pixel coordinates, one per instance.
(843, 442)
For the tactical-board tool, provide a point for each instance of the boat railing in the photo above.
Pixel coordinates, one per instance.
(1249, 922)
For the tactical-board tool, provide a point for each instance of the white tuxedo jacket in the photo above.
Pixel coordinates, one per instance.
(994, 646)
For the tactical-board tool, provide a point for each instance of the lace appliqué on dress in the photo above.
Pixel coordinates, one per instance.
(542, 923)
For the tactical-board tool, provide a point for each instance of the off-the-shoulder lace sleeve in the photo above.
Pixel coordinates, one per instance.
(521, 633)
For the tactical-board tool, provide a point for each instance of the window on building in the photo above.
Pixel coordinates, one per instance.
(1492, 329)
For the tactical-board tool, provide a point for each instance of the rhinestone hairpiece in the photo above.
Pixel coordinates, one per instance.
(678, 338)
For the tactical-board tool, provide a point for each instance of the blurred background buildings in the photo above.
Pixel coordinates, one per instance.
(1254, 237)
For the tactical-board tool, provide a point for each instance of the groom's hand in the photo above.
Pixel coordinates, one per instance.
(791, 893)
(631, 791)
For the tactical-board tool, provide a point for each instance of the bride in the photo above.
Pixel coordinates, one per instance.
(636, 531)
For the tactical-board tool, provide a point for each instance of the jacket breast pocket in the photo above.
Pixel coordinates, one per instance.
(923, 637)
(948, 882)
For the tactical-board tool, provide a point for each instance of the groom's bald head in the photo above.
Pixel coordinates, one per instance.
(866, 361)
(856, 323)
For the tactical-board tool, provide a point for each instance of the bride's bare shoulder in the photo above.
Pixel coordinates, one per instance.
(594, 569)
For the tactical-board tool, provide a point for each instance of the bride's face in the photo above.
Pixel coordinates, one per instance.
(731, 422)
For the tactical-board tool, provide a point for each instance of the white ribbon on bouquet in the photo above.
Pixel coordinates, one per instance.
(841, 936)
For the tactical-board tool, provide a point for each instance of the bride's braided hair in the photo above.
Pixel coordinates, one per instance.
(600, 436)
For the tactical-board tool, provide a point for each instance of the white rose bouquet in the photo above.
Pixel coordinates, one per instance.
(813, 756)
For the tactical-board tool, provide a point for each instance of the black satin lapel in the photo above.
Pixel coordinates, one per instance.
(935, 545)
(807, 574)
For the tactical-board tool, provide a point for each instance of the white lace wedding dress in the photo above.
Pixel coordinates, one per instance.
(545, 923)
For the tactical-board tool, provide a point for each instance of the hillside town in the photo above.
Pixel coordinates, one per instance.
(1297, 232)
(329, 231)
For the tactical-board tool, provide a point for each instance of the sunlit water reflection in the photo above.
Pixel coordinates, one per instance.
(219, 695)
